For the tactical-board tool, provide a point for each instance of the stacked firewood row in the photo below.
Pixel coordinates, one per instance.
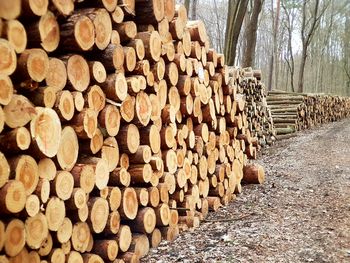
(118, 128)
(250, 86)
(295, 111)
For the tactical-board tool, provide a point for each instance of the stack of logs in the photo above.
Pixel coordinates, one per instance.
(118, 127)
(292, 112)
(250, 86)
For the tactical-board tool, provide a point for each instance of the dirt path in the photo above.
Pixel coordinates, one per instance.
(301, 213)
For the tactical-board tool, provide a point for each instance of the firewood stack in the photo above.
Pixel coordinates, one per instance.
(250, 86)
(118, 127)
(292, 112)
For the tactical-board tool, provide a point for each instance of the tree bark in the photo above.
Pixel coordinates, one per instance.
(236, 12)
(250, 35)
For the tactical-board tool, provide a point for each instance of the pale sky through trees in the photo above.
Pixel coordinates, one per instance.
(327, 67)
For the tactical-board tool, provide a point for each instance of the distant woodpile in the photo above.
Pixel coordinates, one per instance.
(259, 117)
(119, 126)
(292, 112)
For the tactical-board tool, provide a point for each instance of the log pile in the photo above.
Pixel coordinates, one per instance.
(118, 128)
(292, 112)
(250, 86)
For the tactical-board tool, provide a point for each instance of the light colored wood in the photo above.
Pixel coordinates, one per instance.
(15, 140)
(15, 33)
(152, 44)
(109, 118)
(253, 174)
(55, 213)
(127, 30)
(80, 236)
(15, 237)
(78, 73)
(7, 52)
(82, 28)
(124, 238)
(129, 205)
(45, 129)
(64, 7)
(56, 76)
(13, 197)
(129, 138)
(145, 221)
(36, 230)
(6, 87)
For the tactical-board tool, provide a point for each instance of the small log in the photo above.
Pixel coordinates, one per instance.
(115, 87)
(46, 246)
(152, 44)
(85, 123)
(77, 200)
(98, 214)
(109, 118)
(56, 76)
(45, 129)
(149, 12)
(142, 155)
(45, 33)
(84, 177)
(120, 177)
(107, 249)
(78, 72)
(44, 97)
(77, 33)
(67, 154)
(253, 174)
(155, 238)
(97, 71)
(127, 30)
(124, 238)
(113, 223)
(15, 140)
(7, 53)
(162, 215)
(36, 230)
(92, 258)
(129, 205)
(25, 169)
(114, 198)
(63, 184)
(129, 138)
(55, 213)
(32, 67)
(63, 7)
(13, 197)
(80, 236)
(145, 221)
(64, 105)
(110, 152)
(15, 33)
(15, 237)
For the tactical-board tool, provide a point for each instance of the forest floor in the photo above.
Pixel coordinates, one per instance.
(300, 214)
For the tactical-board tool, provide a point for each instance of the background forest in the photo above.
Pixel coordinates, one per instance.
(299, 45)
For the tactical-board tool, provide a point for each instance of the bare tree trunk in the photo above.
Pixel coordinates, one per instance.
(290, 59)
(308, 28)
(236, 12)
(218, 28)
(250, 35)
(274, 53)
(187, 5)
(302, 69)
(194, 10)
